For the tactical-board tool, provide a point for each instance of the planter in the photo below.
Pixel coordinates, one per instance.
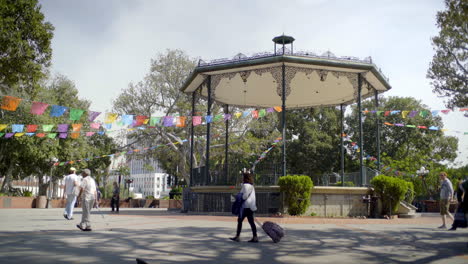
(175, 203)
(41, 201)
(163, 203)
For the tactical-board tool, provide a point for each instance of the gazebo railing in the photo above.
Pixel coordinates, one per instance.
(267, 174)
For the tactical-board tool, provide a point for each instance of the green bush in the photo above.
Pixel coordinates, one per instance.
(391, 191)
(150, 197)
(27, 193)
(176, 193)
(410, 193)
(296, 189)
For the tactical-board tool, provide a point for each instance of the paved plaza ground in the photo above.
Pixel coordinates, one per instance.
(160, 236)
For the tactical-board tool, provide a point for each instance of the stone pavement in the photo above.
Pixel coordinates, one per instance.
(169, 237)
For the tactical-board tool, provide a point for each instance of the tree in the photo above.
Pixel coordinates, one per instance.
(24, 156)
(404, 149)
(25, 50)
(400, 143)
(449, 67)
(316, 147)
(159, 95)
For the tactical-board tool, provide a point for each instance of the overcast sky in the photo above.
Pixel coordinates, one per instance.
(103, 45)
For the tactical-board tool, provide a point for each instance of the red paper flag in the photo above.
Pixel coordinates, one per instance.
(140, 120)
(31, 128)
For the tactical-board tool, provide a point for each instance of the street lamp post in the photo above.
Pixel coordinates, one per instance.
(422, 172)
(49, 199)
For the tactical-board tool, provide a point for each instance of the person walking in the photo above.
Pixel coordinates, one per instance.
(446, 195)
(249, 207)
(88, 196)
(71, 191)
(115, 198)
(461, 213)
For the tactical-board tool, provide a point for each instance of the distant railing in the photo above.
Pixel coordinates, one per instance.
(267, 174)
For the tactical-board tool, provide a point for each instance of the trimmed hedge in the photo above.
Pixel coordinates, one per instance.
(391, 191)
(296, 189)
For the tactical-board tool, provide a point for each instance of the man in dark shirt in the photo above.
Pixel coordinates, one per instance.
(115, 198)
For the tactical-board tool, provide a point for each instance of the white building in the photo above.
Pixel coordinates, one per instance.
(148, 178)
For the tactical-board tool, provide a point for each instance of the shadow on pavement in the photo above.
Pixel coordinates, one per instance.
(192, 244)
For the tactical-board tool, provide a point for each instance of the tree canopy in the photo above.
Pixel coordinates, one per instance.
(25, 45)
(159, 95)
(449, 67)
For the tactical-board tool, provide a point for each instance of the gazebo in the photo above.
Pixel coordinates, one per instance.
(288, 79)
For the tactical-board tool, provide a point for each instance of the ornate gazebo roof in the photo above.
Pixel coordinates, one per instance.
(311, 80)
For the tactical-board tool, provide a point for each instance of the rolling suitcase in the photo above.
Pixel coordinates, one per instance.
(273, 230)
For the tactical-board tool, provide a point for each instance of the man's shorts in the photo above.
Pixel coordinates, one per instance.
(444, 206)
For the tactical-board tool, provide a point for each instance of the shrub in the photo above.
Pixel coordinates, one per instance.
(391, 191)
(176, 193)
(27, 193)
(150, 197)
(296, 189)
(410, 193)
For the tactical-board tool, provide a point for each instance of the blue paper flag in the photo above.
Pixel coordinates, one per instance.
(58, 110)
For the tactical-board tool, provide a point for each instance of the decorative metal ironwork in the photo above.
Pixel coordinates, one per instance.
(327, 55)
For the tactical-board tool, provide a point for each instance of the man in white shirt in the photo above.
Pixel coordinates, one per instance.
(70, 191)
(88, 197)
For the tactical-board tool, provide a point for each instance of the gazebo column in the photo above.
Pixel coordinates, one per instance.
(208, 130)
(192, 132)
(377, 131)
(342, 144)
(361, 140)
(283, 116)
(226, 146)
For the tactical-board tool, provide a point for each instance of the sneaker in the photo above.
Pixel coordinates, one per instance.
(453, 228)
(442, 227)
(87, 229)
(65, 216)
(235, 239)
(79, 227)
(70, 218)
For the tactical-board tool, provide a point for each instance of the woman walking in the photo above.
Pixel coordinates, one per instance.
(249, 207)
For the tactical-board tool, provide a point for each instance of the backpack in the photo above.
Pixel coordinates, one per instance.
(237, 204)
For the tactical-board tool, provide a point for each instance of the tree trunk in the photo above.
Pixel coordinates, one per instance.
(7, 181)
(42, 186)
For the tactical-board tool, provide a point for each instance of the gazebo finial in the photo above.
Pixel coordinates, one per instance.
(283, 40)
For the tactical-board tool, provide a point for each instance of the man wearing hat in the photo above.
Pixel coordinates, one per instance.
(71, 180)
(88, 196)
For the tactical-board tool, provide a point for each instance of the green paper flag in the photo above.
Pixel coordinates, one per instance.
(154, 121)
(261, 113)
(1, 134)
(52, 135)
(47, 128)
(423, 113)
(218, 117)
(75, 114)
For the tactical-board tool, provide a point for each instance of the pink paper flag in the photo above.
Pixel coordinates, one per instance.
(196, 120)
(95, 125)
(38, 108)
(88, 134)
